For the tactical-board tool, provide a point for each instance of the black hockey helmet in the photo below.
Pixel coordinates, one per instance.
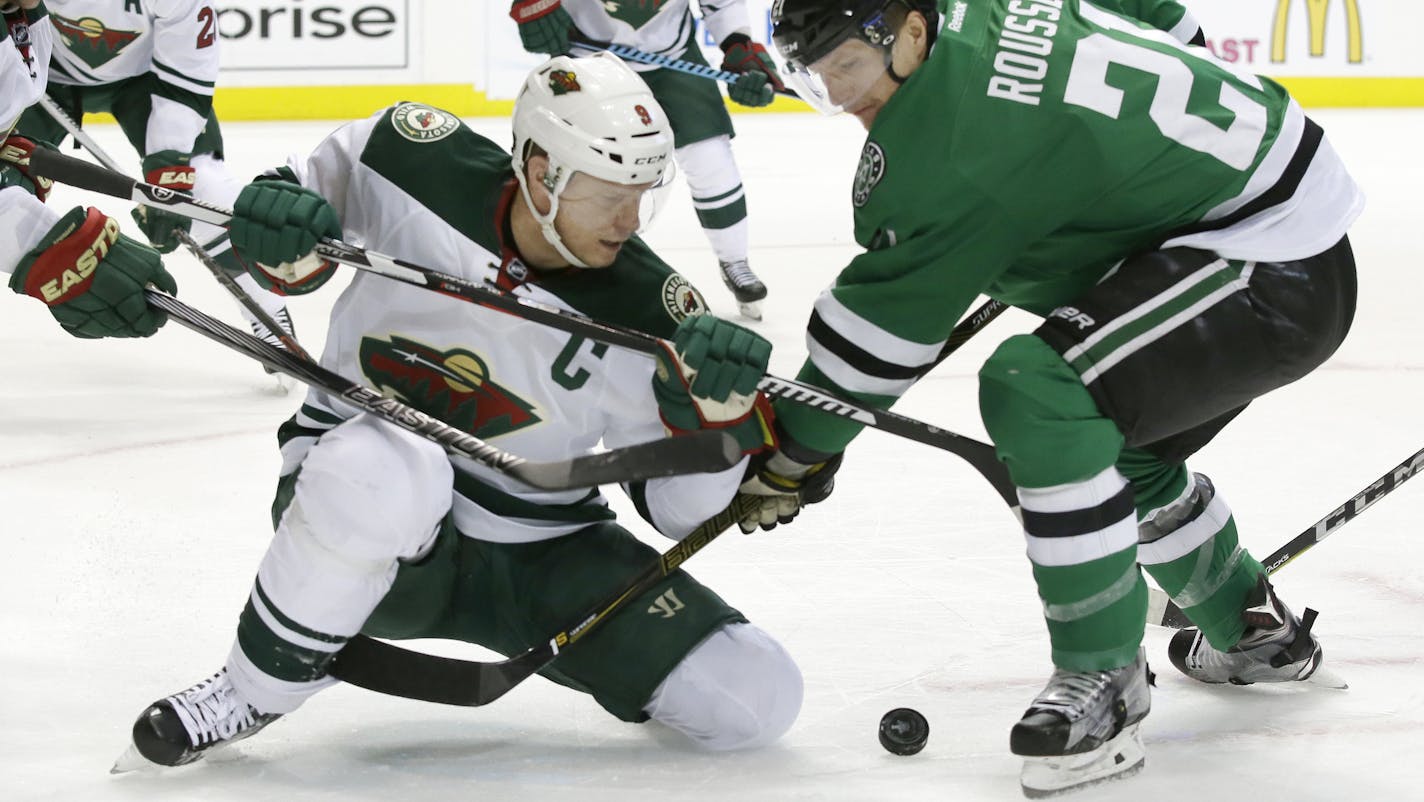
(806, 30)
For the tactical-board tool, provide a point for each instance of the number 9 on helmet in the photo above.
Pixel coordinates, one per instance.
(591, 115)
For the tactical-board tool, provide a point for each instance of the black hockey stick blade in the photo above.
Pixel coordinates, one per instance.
(1170, 615)
(699, 452)
(396, 671)
(385, 668)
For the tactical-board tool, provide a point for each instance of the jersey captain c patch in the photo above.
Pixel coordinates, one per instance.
(453, 385)
(868, 173)
(420, 123)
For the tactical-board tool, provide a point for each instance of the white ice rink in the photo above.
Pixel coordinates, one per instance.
(135, 479)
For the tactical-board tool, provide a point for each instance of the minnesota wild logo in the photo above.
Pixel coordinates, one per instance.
(454, 386)
(421, 123)
(90, 40)
(562, 82)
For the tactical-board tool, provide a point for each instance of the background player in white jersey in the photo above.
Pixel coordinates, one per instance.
(153, 65)
(1179, 223)
(91, 276)
(381, 532)
(694, 105)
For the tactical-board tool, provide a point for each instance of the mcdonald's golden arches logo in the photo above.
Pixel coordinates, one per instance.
(1316, 11)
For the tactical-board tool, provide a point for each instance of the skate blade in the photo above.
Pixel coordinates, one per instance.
(282, 384)
(1326, 678)
(751, 309)
(132, 760)
(1117, 759)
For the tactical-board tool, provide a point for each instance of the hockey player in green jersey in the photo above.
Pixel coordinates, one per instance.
(381, 532)
(1179, 224)
(153, 65)
(699, 118)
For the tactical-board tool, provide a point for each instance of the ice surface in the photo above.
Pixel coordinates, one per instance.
(135, 479)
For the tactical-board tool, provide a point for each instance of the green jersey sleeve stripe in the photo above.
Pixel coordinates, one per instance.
(857, 357)
(175, 75)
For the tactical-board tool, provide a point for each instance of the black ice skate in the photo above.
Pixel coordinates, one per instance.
(745, 287)
(1083, 729)
(186, 726)
(1276, 647)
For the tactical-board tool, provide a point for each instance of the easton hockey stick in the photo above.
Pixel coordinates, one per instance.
(1163, 612)
(668, 63)
(82, 137)
(980, 456)
(385, 668)
(700, 452)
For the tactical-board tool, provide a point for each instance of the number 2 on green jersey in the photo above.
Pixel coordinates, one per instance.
(1087, 86)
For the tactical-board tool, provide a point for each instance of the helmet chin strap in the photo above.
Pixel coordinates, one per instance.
(546, 221)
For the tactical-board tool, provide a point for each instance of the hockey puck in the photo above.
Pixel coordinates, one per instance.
(903, 731)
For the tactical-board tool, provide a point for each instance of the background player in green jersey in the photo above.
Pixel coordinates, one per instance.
(700, 123)
(1180, 226)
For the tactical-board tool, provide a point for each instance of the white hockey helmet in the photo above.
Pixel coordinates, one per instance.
(590, 115)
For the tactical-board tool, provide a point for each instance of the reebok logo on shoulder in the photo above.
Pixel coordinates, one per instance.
(955, 21)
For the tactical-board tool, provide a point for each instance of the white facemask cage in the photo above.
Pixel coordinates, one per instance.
(591, 115)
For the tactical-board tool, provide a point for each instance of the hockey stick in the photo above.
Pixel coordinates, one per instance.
(699, 452)
(1163, 612)
(980, 456)
(288, 341)
(385, 668)
(669, 63)
(82, 137)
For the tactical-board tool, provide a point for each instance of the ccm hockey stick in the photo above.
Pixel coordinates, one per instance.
(668, 63)
(1162, 612)
(82, 137)
(700, 452)
(385, 668)
(80, 173)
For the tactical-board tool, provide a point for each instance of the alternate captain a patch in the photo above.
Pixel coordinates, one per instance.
(454, 386)
(420, 123)
(681, 300)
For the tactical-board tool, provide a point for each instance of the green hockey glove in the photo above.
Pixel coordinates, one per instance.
(168, 169)
(785, 485)
(15, 154)
(759, 80)
(708, 380)
(543, 26)
(275, 227)
(92, 277)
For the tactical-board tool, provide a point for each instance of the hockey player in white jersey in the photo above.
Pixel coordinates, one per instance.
(381, 532)
(153, 65)
(90, 275)
(700, 122)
